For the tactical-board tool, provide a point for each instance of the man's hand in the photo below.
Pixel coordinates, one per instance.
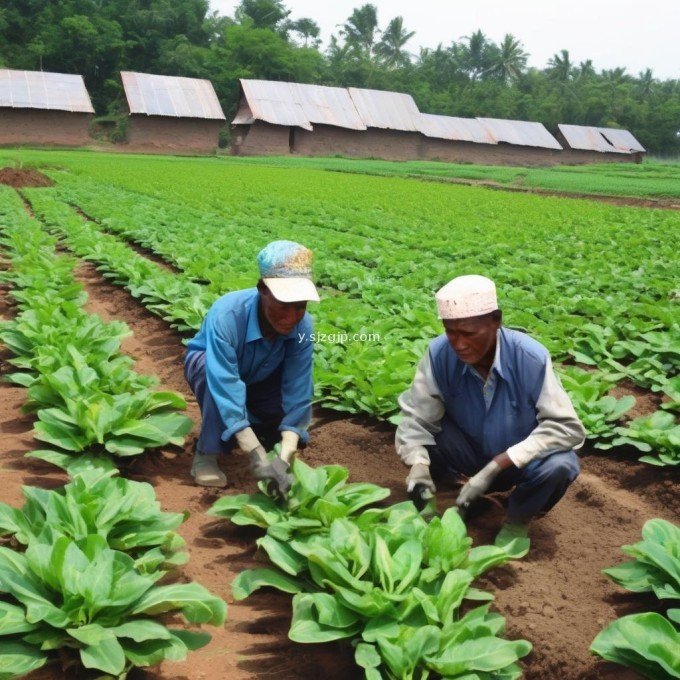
(247, 440)
(274, 471)
(419, 485)
(289, 445)
(478, 485)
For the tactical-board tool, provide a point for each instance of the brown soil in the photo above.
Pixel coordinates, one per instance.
(556, 597)
(24, 177)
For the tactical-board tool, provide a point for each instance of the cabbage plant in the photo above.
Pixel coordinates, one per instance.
(90, 603)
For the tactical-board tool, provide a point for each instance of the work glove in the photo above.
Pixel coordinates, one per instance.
(274, 471)
(419, 485)
(478, 485)
(289, 445)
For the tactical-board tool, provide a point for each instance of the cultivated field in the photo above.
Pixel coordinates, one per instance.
(155, 240)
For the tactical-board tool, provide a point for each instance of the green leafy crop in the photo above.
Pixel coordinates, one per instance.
(648, 642)
(385, 578)
(124, 512)
(86, 597)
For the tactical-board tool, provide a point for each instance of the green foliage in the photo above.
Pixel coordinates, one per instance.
(85, 394)
(471, 77)
(84, 596)
(124, 512)
(598, 411)
(647, 643)
(658, 433)
(656, 564)
(383, 577)
(651, 179)
(319, 496)
(82, 583)
(120, 130)
(614, 315)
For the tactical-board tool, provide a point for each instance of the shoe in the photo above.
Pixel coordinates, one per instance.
(514, 539)
(206, 471)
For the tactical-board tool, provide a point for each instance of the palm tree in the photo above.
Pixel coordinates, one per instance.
(361, 29)
(475, 55)
(338, 62)
(646, 83)
(560, 67)
(585, 70)
(439, 67)
(390, 49)
(616, 76)
(509, 60)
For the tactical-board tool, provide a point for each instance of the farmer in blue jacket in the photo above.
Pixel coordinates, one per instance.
(485, 403)
(250, 364)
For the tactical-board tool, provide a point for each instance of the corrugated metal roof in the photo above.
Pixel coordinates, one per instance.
(604, 140)
(282, 103)
(328, 106)
(457, 129)
(621, 140)
(271, 102)
(302, 105)
(585, 138)
(387, 110)
(173, 96)
(520, 133)
(41, 90)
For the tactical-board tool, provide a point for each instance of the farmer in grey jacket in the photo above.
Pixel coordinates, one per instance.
(485, 403)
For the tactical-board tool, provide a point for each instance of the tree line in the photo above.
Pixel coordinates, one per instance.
(471, 77)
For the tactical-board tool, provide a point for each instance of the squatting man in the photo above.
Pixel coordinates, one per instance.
(250, 371)
(485, 403)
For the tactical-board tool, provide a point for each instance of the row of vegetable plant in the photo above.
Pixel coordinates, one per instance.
(174, 297)
(84, 392)
(384, 295)
(652, 179)
(106, 646)
(398, 587)
(80, 565)
(295, 548)
(363, 266)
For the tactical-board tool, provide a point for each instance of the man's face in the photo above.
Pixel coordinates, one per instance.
(473, 339)
(281, 316)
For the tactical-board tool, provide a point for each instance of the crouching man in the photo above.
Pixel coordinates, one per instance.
(250, 367)
(485, 403)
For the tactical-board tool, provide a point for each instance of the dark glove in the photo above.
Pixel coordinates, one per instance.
(274, 471)
(478, 485)
(419, 485)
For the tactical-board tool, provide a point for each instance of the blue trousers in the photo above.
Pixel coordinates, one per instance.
(537, 486)
(263, 404)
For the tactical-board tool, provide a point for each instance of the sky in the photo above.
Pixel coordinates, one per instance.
(631, 34)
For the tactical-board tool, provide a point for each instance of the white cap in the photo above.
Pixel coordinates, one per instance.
(292, 289)
(466, 296)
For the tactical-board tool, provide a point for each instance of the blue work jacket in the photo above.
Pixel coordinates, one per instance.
(237, 355)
